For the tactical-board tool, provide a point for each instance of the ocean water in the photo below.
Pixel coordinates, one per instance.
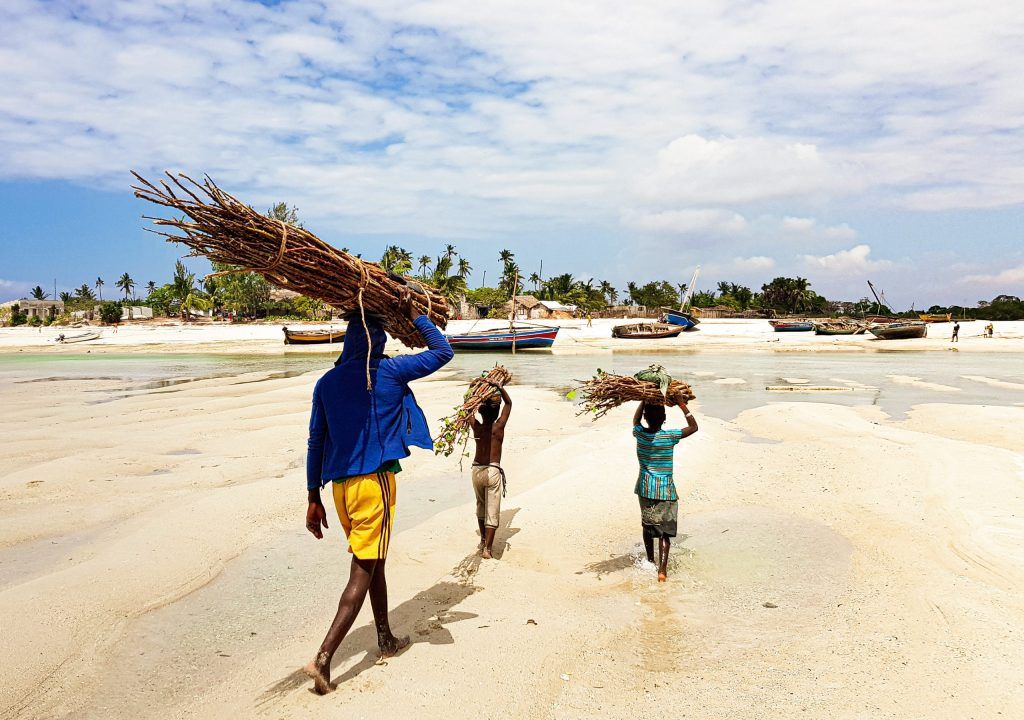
(725, 383)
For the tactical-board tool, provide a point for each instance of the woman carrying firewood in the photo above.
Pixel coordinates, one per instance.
(655, 487)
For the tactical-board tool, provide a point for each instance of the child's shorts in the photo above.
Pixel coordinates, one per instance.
(659, 517)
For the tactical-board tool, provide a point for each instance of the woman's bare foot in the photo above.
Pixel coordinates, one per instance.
(392, 646)
(486, 552)
(662, 577)
(320, 671)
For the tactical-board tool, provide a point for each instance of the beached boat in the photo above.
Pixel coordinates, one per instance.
(521, 338)
(791, 325)
(936, 317)
(903, 330)
(81, 337)
(839, 328)
(646, 331)
(312, 337)
(678, 317)
(880, 319)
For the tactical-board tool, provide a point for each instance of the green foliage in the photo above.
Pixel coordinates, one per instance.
(281, 211)
(311, 307)
(654, 294)
(791, 295)
(85, 293)
(110, 312)
(38, 293)
(17, 316)
(126, 284)
(247, 293)
(486, 297)
(397, 260)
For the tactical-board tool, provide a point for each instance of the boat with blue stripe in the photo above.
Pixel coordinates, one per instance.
(678, 317)
(517, 338)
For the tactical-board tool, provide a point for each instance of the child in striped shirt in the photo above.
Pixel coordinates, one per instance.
(655, 488)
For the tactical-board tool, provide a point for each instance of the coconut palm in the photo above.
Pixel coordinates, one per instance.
(608, 291)
(66, 297)
(449, 251)
(85, 293)
(38, 293)
(464, 268)
(126, 284)
(184, 290)
(99, 287)
(424, 265)
(535, 278)
(150, 288)
(506, 256)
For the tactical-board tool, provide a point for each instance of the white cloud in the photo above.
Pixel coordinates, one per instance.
(13, 289)
(753, 263)
(1005, 279)
(707, 222)
(854, 260)
(809, 227)
(740, 170)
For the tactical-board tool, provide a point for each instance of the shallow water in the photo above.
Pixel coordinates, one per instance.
(726, 383)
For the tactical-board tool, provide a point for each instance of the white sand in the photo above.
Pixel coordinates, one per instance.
(153, 564)
(574, 337)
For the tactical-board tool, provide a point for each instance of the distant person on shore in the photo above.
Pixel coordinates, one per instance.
(988, 330)
(655, 487)
(488, 475)
(956, 332)
(590, 320)
(356, 439)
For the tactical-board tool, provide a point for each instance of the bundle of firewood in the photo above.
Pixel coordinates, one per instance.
(224, 229)
(606, 391)
(455, 428)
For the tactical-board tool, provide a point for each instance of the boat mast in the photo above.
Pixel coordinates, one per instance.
(512, 315)
(878, 300)
(689, 289)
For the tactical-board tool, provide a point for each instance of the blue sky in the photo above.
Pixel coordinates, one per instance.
(621, 141)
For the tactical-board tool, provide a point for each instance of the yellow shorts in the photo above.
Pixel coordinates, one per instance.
(366, 508)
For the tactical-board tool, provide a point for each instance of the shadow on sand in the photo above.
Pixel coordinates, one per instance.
(426, 613)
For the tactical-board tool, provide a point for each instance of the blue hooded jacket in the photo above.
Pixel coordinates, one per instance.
(353, 431)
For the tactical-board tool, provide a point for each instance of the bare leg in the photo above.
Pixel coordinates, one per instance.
(663, 549)
(389, 645)
(488, 542)
(359, 578)
(480, 524)
(649, 545)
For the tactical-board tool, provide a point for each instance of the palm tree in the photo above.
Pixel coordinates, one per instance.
(99, 287)
(506, 256)
(464, 268)
(535, 279)
(150, 288)
(66, 297)
(449, 251)
(608, 291)
(85, 293)
(126, 284)
(185, 291)
(424, 265)
(38, 293)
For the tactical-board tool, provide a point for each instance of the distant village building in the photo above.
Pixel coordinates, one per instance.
(136, 312)
(529, 307)
(42, 309)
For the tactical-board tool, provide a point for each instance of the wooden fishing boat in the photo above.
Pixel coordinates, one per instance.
(522, 338)
(839, 328)
(678, 317)
(903, 330)
(81, 337)
(791, 325)
(647, 331)
(880, 319)
(936, 317)
(312, 337)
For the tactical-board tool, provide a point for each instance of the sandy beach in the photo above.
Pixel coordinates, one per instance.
(837, 558)
(574, 337)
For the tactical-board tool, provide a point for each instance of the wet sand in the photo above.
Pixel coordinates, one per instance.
(833, 562)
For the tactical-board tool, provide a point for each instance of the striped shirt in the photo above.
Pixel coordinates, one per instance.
(654, 451)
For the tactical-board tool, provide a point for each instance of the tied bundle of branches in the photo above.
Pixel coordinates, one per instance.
(220, 227)
(455, 428)
(606, 391)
